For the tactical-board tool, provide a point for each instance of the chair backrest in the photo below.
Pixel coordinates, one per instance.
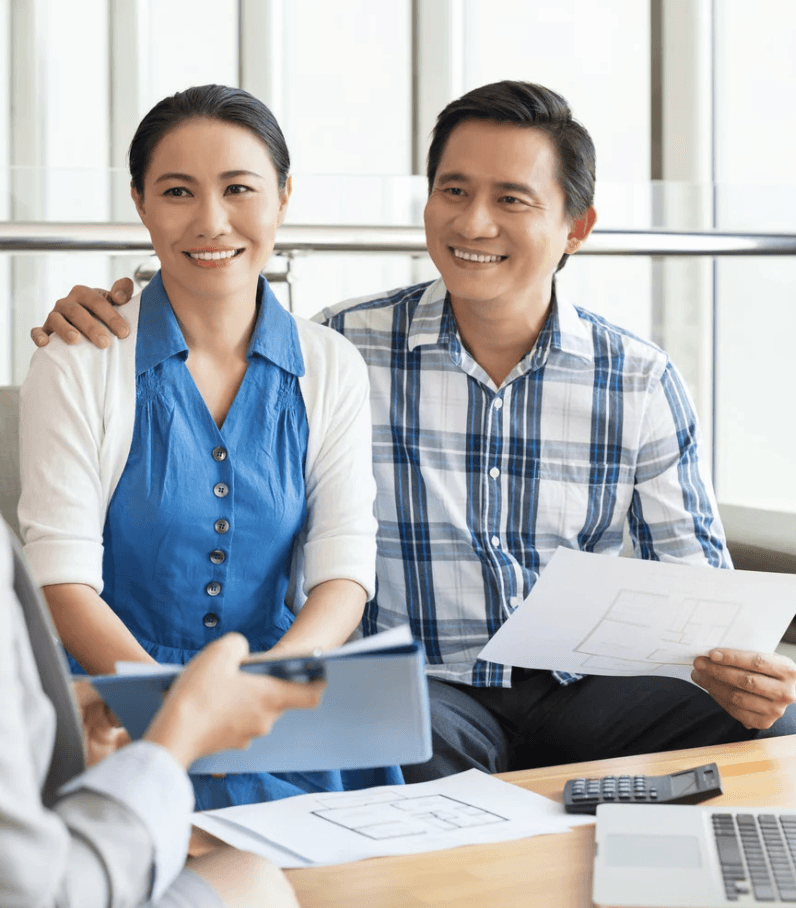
(9, 456)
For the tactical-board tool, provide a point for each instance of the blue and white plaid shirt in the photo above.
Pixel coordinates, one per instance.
(478, 485)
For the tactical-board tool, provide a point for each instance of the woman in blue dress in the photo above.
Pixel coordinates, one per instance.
(193, 481)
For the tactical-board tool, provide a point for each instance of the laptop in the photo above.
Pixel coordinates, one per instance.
(687, 856)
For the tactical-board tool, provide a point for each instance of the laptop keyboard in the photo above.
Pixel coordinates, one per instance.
(757, 853)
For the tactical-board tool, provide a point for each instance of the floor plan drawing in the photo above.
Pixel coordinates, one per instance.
(662, 629)
(387, 815)
(597, 614)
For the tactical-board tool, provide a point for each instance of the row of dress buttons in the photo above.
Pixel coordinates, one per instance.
(220, 490)
(217, 556)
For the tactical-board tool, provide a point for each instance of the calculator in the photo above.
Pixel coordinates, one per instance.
(687, 787)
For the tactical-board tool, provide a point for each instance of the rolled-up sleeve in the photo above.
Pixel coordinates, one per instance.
(61, 509)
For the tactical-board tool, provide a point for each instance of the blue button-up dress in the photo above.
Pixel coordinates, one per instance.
(201, 527)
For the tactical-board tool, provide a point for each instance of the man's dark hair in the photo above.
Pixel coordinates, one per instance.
(214, 102)
(530, 105)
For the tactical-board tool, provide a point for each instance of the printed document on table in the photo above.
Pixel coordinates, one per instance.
(337, 827)
(603, 615)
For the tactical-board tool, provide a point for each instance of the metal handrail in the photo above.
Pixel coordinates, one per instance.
(293, 239)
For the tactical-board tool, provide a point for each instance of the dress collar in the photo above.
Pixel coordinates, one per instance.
(275, 336)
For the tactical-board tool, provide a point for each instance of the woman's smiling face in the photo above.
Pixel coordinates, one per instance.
(211, 204)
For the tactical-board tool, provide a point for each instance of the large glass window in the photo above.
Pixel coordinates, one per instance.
(356, 85)
(755, 133)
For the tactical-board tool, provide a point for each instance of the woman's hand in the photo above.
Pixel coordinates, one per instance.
(75, 315)
(214, 706)
(102, 733)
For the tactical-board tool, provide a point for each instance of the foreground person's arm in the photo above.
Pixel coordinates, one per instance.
(117, 834)
(213, 706)
(87, 311)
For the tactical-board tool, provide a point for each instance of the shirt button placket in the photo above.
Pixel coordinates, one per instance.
(492, 497)
(218, 556)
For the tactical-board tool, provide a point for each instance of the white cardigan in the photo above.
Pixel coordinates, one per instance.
(77, 417)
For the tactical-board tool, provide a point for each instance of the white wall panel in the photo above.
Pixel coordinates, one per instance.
(348, 86)
(59, 147)
(755, 137)
(192, 43)
(347, 94)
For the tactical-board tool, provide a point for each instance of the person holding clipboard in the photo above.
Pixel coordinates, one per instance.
(116, 835)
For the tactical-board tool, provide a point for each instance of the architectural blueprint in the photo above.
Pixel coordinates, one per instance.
(393, 815)
(335, 827)
(603, 615)
(662, 629)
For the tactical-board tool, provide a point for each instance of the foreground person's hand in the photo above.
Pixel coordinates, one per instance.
(754, 688)
(78, 312)
(214, 706)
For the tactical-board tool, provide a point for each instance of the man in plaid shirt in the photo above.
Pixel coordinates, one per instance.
(508, 422)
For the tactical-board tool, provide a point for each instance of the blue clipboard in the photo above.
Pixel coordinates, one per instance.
(374, 712)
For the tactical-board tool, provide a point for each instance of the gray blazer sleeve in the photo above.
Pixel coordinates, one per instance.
(115, 835)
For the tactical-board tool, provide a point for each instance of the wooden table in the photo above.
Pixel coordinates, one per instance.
(545, 871)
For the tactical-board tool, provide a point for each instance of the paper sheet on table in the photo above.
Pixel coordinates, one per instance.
(602, 615)
(337, 827)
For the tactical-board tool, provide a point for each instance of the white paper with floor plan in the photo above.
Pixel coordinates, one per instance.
(602, 615)
(336, 827)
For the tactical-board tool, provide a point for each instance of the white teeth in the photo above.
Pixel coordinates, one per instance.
(472, 257)
(213, 256)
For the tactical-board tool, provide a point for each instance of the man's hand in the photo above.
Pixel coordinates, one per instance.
(754, 688)
(74, 315)
(102, 734)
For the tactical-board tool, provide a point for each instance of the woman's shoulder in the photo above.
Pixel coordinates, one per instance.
(322, 346)
(87, 359)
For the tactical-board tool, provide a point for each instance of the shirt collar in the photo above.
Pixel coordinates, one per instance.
(432, 320)
(569, 332)
(275, 335)
(563, 330)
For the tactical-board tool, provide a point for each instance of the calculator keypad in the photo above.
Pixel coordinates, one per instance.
(630, 789)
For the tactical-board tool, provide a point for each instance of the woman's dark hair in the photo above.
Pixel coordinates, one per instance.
(526, 104)
(213, 102)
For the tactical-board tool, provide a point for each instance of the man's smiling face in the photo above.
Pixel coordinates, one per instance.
(496, 224)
